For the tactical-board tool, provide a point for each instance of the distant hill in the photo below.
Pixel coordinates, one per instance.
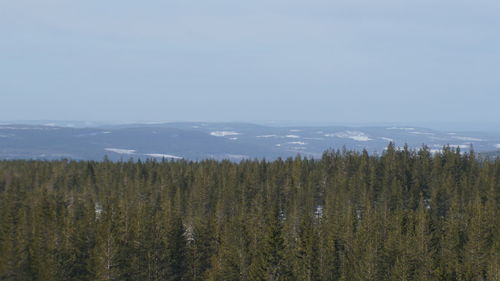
(233, 141)
(491, 154)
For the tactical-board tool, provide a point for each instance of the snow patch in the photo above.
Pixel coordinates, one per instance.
(434, 151)
(236, 156)
(421, 133)
(235, 138)
(497, 145)
(467, 138)
(440, 146)
(295, 130)
(292, 136)
(387, 139)
(297, 142)
(319, 212)
(161, 155)
(98, 209)
(224, 133)
(120, 150)
(267, 136)
(461, 146)
(354, 135)
(94, 134)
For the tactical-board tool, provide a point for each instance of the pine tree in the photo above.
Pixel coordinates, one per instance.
(176, 252)
(201, 246)
(270, 263)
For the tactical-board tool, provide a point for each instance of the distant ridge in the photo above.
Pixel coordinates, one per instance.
(224, 140)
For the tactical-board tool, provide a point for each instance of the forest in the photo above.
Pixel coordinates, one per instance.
(403, 215)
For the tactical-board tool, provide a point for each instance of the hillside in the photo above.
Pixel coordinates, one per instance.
(233, 141)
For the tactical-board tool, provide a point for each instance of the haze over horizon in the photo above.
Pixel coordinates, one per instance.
(313, 61)
(456, 126)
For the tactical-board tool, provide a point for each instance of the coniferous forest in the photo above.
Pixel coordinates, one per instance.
(403, 215)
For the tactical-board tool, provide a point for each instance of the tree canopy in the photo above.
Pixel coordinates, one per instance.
(404, 215)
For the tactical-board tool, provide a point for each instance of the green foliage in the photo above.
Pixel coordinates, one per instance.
(406, 215)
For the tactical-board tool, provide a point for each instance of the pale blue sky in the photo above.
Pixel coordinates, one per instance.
(329, 61)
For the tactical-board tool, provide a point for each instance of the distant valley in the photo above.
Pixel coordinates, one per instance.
(232, 141)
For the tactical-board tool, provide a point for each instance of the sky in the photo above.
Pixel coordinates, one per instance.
(223, 60)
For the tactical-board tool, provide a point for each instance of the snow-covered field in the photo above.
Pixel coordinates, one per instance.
(161, 155)
(120, 150)
(224, 133)
(354, 135)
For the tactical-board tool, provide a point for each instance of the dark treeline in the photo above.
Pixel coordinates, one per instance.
(405, 215)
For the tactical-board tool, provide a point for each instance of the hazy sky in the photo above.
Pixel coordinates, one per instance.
(340, 61)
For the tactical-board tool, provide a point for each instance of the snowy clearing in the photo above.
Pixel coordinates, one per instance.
(224, 133)
(120, 150)
(468, 138)
(386, 139)
(236, 156)
(421, 133)
(297, 148)
(354, 135)
(460, 145)
(161, 155)
(297, 142)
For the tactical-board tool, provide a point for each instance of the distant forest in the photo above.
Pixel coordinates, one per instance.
(403, 215)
